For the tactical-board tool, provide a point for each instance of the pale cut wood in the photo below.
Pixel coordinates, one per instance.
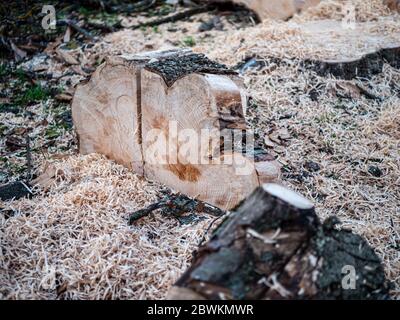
(131, 119)
(198, 102)
(274, 9)
(104, 112)
(351, 52)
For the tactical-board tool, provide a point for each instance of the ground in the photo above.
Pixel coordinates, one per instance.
(337, 146)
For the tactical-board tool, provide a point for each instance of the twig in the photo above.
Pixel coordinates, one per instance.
(367, 93)
(131, 8)
(28, 157)
(175, 17)
(145, 212)
(176, 205)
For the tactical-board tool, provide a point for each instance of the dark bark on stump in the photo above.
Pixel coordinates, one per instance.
(274, 247)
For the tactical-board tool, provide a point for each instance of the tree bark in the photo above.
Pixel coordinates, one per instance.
(273, 246)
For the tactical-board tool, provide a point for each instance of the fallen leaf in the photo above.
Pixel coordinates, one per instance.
(64, 97)
(283, 134)
(274, 137)
(280, 149)
(351, 89)
(18, 53)
(48, 177)
(67, 57)
(14, 143)
(67, 35)
(78, 70)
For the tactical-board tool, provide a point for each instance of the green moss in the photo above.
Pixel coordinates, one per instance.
(33, 94)
(84, 11)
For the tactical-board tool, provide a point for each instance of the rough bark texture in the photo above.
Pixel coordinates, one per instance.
(178, 66)
(134, 108)
(273, 246)
(365, 66)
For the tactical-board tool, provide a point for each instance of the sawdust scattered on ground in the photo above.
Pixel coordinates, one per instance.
(75, 242)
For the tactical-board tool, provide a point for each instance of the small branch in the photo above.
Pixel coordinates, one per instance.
(144, 212)
(367, 93)
(176, 205)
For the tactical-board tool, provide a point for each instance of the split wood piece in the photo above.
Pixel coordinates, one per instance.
(273, 246)
(105, 113)
(129, 108)
(273, 9)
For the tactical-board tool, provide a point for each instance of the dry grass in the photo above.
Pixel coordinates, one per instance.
(75, 243)
(77, 237)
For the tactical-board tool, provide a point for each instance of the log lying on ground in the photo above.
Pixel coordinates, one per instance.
(273, 9)
(273, 246)
(142, 111)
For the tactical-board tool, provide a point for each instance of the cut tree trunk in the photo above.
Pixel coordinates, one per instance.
(272, 9)
(142, 110)
(273, 246)
(349, 53)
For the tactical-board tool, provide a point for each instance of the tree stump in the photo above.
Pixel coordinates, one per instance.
(273, 246)
(149, 112)
(352, 50)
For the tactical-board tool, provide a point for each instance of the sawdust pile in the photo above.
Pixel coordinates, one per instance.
(334, 9)
(74, 243)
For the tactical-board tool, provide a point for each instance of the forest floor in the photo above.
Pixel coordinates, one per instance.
(338, 146)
